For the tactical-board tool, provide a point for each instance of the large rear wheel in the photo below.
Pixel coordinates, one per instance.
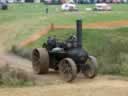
(67, 69)
(40, 60)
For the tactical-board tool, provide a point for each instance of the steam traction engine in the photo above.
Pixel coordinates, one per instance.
(68, 57)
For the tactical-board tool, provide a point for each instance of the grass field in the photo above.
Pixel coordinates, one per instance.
(22, 20)
(108, 45)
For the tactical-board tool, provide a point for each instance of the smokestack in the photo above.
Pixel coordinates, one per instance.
(79, 32)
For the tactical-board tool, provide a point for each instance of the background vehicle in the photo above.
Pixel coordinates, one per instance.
(3, 6)
(68, 57)
(68, 7)
(102, 7)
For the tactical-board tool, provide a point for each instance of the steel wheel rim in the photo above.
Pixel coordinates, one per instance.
(90, 67)
(65, 70)
(89, 71)
(36, 60)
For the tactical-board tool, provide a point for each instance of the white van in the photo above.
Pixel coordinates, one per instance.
(102, 7)
(68, 7)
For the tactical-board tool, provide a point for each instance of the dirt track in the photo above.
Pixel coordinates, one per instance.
(51, 85)
(97, 87)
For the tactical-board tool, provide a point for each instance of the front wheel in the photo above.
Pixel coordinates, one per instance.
(90, 68)
(67, 69)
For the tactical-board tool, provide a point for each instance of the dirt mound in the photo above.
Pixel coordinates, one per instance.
(36, 36)
(112, 24)
(26, 65)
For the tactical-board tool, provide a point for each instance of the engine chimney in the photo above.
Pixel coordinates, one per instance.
(79, 32)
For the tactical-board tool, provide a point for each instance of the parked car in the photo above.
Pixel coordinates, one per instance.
(68, 7)
(102, 7)
(3, 5)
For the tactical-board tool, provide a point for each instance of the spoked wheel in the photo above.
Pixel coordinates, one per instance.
(40, 61)
(67, 69)
(90, 67)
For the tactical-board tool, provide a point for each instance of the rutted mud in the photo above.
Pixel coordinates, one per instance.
(52, 85)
